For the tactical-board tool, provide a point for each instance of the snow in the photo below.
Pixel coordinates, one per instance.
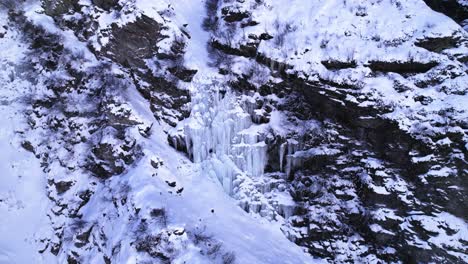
(378, 229)
(23, 201)
(193, 13)
(422, 159)
(329, 22)
(438, 171)
(372, 163)
(253, 243)
(450, 231)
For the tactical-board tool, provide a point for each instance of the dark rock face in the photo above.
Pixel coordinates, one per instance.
(133, 45)
(402, 67)
(438, 44)
(384, 135)
(230, 14)
(233, 51)
(451, 8)
(28, 146)
(106, 4)
(60, 7)
(134, 42)
(337, 195)
(108, 160)
(183, 74)
(336, 65)
(61, 187)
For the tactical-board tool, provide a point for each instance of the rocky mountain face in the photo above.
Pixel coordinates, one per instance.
(253, 131)
(372, 178)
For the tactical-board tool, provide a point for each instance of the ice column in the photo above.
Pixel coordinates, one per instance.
(291, 146)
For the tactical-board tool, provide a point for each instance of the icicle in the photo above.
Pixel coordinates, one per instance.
(292, 146)
(281, 154)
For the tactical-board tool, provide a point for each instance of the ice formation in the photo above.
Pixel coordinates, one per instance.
(217, 136)
(288, 148)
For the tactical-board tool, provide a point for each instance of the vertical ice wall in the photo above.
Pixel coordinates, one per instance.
(216, 136)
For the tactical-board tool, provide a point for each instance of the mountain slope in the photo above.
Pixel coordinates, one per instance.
(219, 131)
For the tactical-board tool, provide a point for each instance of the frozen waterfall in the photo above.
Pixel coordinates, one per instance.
(216, 136)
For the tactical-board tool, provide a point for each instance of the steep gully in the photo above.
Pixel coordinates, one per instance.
(214, 132)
